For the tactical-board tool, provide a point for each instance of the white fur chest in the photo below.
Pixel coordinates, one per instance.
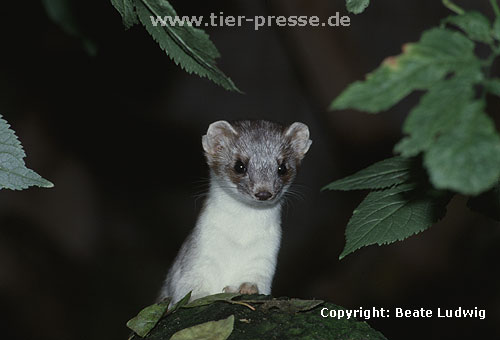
(229, 220)
(239, 241)
(232, 243)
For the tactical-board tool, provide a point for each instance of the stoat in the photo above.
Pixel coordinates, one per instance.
(235, 243)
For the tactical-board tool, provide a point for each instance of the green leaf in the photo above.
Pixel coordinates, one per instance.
(299, 305)
(383, 174)
(13, 172)
(496, 28)
(439, 52)
(212, 330)
(357, 6)
(186, 45)
(292, 305)
(63, 13)
(207, 300)
(127, 11)
(181, 303)
(487, 203)
(466, 158)
(147, 318)
(493, 86)
(474, 24)
(438, 110)
(393, 215)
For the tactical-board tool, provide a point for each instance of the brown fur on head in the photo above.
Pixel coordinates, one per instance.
(257, 159)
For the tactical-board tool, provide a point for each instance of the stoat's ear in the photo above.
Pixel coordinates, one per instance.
(298, 134)
(218, 135)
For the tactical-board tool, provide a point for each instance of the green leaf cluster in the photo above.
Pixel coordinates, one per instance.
(448, 134)
(13, 172)
(187, 46)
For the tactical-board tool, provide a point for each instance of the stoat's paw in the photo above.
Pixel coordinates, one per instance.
(248, 288)
(230, 289)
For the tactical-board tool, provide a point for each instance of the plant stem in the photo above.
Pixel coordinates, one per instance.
(496, 9)
(450, 5)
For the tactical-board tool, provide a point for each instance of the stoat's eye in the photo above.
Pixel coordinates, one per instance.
(282, 169)
(239, 167)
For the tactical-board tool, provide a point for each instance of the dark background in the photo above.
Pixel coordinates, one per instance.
(119, 135)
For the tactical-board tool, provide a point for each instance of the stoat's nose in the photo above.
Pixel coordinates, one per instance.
(263, 195)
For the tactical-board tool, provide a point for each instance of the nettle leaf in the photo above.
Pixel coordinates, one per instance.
(212, 330)
(474, 24)
(392, 215)
(147, 318)
(487, 203)
(439, 52)
(357, 6)
(438, 111)
(383, 174)
(186, 45)
(13, 172)
(467, 157)
(127, 11)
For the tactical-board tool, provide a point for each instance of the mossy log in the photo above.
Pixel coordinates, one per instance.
(257, 318)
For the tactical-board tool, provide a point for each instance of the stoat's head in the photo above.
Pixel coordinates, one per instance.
(255, 160)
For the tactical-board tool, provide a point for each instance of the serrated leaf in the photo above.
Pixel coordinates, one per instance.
(383, 174)
(207, 300)
(13, 172)
(392, 215)
(212, 330)
(439, 110)
(474, 24)
(357, 6)
(127, 11)
(439, 52)
(186, 45)
(147, 318)
(487, 203)
(466, 158)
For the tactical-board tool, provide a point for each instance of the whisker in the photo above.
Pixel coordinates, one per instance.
(294, 184)
(201, 179)
(295, 194)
